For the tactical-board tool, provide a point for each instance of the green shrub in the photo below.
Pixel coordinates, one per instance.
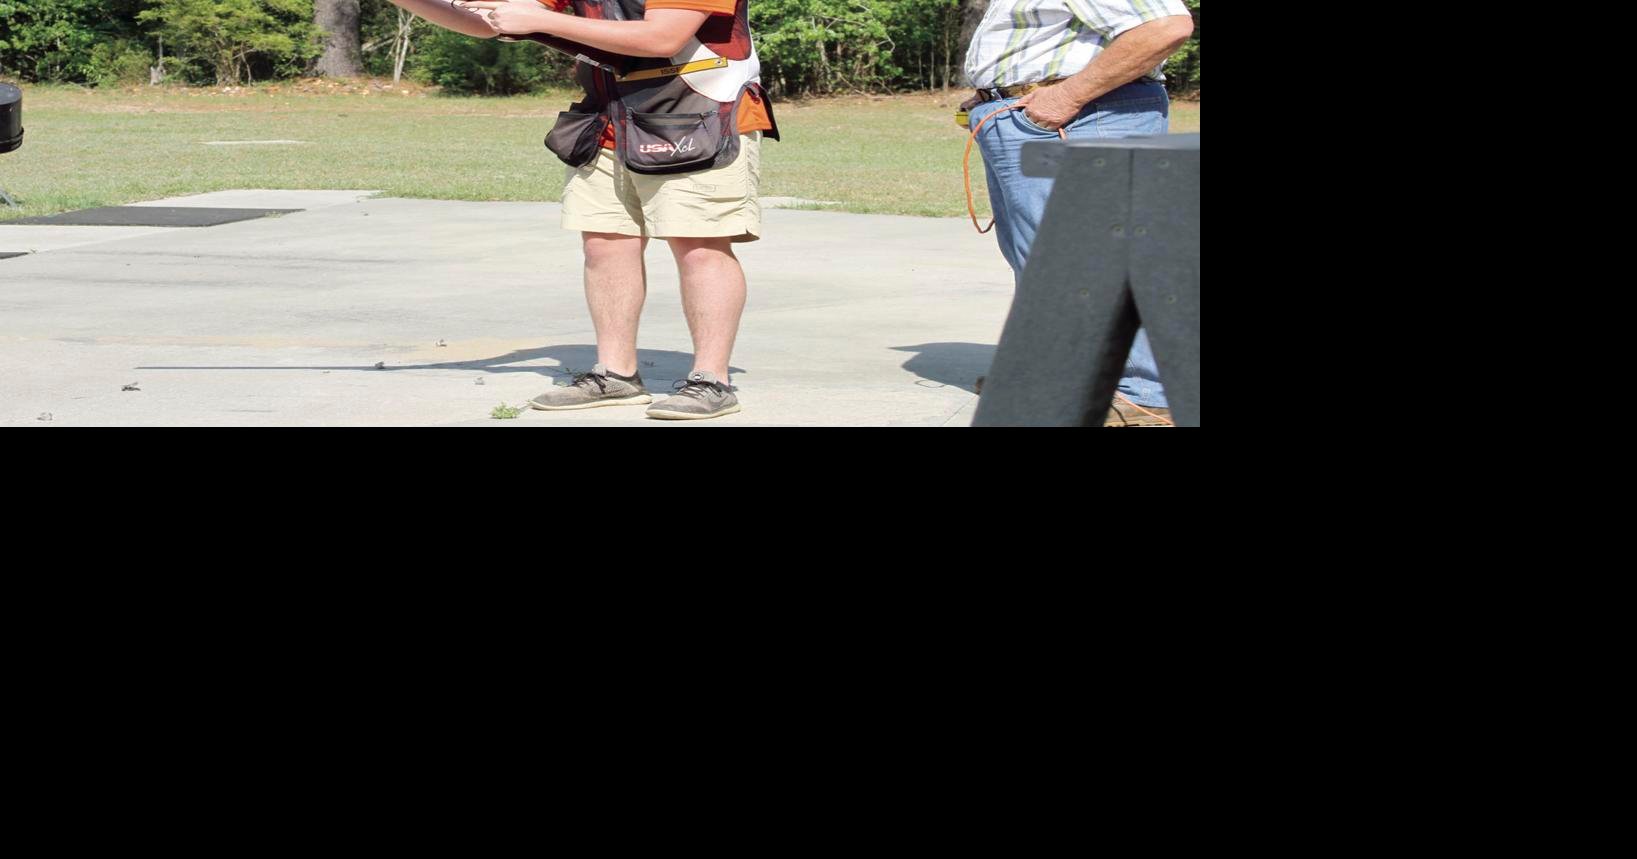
(464, 65)
(237, 40)
(811, 47)
(53, 40)
(119, 62)
(1182, 72)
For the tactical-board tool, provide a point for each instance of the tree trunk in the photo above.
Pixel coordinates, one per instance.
(971, 16)
(401, 43)
(342, 57)
(950, 23)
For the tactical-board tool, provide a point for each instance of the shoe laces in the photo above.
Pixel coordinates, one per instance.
(586, 380)
(693, 389)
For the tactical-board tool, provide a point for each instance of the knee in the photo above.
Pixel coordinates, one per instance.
(604, 249)
(702, 248)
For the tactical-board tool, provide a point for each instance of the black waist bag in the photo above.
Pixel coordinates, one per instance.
(663, 143)
(577, 136)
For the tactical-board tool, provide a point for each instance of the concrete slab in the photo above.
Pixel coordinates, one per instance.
(152, 216)
(852, 320)
(795, 203)
(39, 239)
(257, 199)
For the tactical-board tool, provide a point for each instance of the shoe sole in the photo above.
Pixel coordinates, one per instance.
(638, 400)
(688, 416)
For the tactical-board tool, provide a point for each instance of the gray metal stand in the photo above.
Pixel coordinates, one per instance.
(1118, 249)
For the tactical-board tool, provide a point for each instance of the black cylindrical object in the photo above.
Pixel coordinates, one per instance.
(11, 117)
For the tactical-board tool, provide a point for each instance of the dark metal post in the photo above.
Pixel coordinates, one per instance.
(1118, 249)
(11, 127)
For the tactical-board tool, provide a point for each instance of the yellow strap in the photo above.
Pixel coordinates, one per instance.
(670, 71)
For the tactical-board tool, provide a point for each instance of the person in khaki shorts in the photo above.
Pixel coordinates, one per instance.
(607, 199)
(701, 213)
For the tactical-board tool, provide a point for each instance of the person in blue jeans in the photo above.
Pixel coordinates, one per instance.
(1091, 68)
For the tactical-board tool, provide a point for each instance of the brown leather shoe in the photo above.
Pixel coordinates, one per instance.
(1126, 414)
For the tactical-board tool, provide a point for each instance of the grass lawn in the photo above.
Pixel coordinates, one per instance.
(85, 148)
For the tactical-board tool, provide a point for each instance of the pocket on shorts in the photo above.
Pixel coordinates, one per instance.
(660, 143)
(576, 137)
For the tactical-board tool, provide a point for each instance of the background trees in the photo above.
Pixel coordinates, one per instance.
(56, 40)
(238, 41)
(808, 47)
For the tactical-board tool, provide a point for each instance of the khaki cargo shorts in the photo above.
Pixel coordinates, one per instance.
(604, 197)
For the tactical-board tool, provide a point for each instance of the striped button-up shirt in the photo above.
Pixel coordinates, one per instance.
(1024, 41)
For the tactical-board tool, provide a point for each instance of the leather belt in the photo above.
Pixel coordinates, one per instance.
(998, 93)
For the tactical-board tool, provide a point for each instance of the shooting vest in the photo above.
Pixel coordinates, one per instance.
(670, 115)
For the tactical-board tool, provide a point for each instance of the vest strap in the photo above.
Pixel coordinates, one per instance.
(673, 71)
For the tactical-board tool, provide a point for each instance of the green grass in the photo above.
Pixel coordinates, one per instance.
(86, 148)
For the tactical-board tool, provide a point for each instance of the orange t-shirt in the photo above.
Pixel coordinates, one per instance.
(752, 114)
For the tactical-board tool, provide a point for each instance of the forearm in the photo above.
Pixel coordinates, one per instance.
(645, 38)
(1134, 54)
(449, 17)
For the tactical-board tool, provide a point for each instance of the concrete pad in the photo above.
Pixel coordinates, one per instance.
(794, 203)
(39, 239)
(852, 320)
(254, 199)
(152, 216)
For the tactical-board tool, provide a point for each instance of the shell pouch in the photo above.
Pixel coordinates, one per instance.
(577, 136)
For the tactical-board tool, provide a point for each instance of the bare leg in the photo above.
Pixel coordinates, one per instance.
(713, 298)
(616, 285)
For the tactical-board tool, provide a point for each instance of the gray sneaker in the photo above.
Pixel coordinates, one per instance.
(593, 390)
(697, 397)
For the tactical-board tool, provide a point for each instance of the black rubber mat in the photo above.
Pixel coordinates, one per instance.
(9, 255)
(153, 216)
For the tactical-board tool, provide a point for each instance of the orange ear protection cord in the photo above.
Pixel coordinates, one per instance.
(966, 165)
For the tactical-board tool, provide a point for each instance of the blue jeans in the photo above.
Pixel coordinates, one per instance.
(1019, 201)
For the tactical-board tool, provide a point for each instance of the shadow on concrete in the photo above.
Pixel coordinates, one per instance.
(654, 365)
(957, 365)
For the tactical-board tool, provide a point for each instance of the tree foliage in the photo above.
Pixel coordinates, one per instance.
(1182, 72)
(233, 38)
(57, 40)
(487, 66)
(808, 47)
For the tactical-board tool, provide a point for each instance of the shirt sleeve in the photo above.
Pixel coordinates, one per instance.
(715, 7)
(1113, 17)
